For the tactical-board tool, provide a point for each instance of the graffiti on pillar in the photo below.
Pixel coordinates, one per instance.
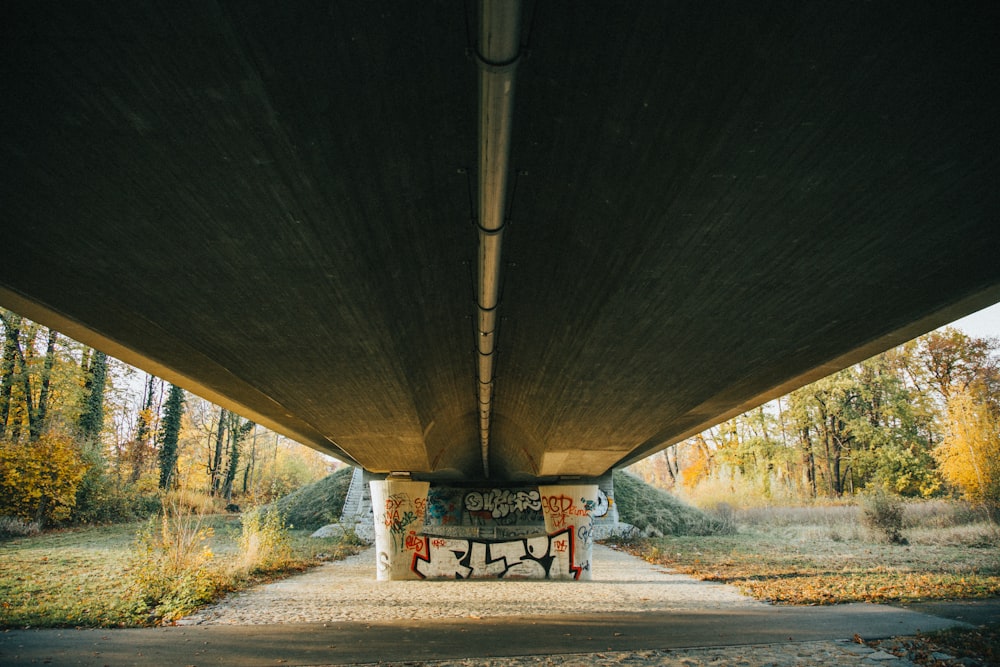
(449, 506)
(399, 516)
(562, 510)
(442, 509)
(603, 504)
(540, 557)
(498, 504)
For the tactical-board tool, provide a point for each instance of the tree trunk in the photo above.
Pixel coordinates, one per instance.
(41, 410)
(234, 457)
(809, 460)
(21, 370)
(11, 345)
(251, 463)
(169, 433)
(92, 418)
(215, 465)
(141, 447)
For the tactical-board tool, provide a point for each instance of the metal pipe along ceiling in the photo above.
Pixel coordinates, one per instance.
(497, 54)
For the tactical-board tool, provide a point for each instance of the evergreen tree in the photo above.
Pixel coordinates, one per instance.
(169, 432)
(237, 433)
(11, 346)
(92, 416)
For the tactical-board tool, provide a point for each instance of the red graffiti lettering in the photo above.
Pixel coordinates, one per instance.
(414, 542)
(391, 518)
(393, 503)
(558, 504)
(563, 506)
(420, 507)
(560, 546)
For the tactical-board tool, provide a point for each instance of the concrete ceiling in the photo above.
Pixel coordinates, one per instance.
(713, 203)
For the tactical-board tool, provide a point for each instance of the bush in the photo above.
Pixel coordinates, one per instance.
(170, 567)
(39, 480)
(11, 526)
(264, 543)
(102, 499)
(195, 502)
(882, 513)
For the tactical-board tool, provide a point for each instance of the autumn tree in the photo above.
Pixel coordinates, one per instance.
(238, 431)
(11, 344)
(216, 453)
(39, 473)
(950, 361)
(40, 482)
(970, 454)
(26, 379)
(140, 449)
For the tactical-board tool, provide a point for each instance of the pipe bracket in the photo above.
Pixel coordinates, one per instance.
(497, 67)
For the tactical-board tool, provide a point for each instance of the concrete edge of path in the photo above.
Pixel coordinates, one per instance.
(350, 643)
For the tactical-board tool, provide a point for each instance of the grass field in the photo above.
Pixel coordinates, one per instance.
(804, 555)
(824, 555)
(78, 577)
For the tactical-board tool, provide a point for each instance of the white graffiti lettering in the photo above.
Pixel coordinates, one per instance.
(540, 557)
(501, 502)
(603, 504)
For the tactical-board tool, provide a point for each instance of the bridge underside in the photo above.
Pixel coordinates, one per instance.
(274, 205)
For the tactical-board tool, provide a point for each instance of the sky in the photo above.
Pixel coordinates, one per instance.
(984, 323)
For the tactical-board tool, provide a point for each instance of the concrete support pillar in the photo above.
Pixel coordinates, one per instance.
(568, 510)
(398, 506)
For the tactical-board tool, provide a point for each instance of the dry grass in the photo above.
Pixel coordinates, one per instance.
(822, 555)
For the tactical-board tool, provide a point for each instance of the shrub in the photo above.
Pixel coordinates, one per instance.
(170, 566)
(101, 500)
(264, 544)
(39, 480)
(11, 526)
(196, 502)
(882, 513)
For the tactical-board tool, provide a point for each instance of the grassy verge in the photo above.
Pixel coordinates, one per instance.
(77, 578)
(824, 555)
(835, 561)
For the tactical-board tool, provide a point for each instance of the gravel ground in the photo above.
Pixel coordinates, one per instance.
(348, 591)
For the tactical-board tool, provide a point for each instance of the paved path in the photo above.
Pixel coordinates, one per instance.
(347, 591)
(637, 614)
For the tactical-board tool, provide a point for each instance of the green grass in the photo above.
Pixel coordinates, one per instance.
(317, 504)
(77, 577)
(67, 578)
(645, 506)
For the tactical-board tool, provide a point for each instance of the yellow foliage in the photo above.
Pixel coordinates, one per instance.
(38, 480)
(969, 457)
(696, 471)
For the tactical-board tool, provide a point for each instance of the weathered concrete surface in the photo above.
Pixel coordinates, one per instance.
(402, 641)
(714, 203)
